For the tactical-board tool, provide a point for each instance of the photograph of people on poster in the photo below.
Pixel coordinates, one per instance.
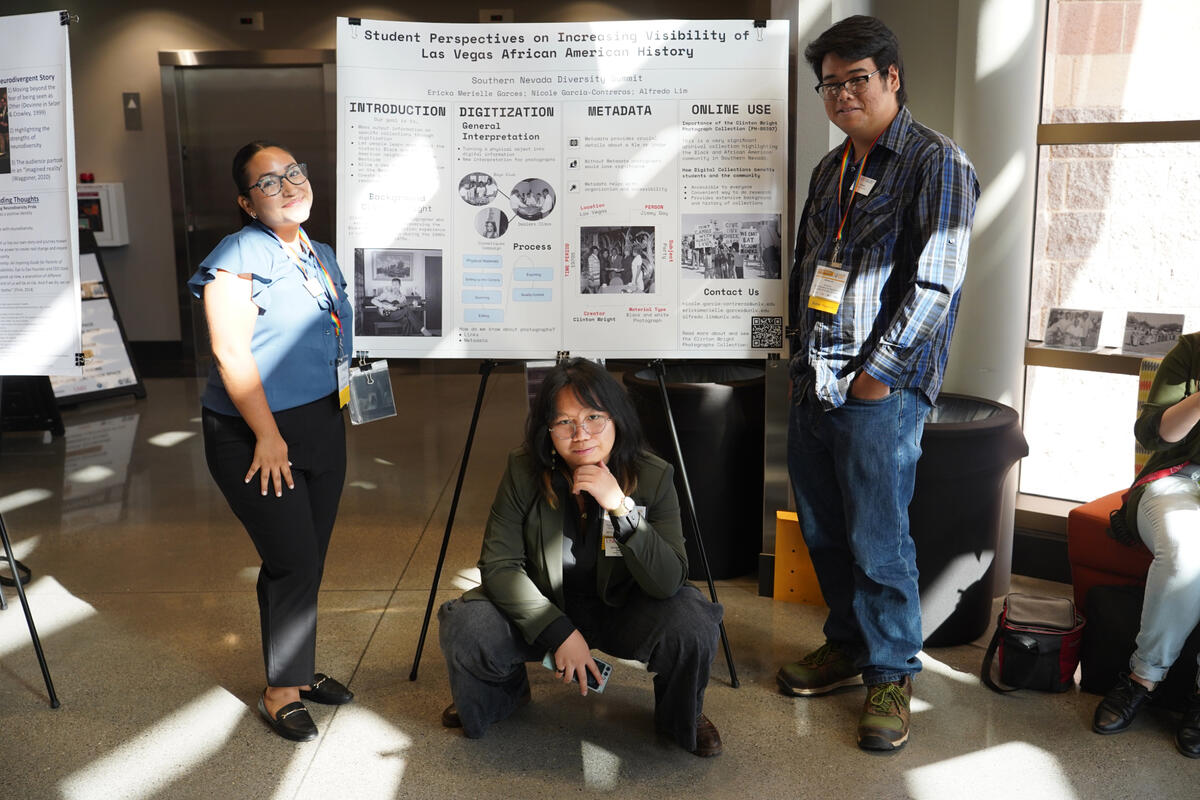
(491, 223)
(532, 199)
(398, 292)
(617, 260)
(730, 246)
(478, 188)
(5, 158)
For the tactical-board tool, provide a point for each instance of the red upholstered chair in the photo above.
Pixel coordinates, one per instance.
(1096, 558)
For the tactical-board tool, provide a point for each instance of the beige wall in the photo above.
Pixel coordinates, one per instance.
(114, 49)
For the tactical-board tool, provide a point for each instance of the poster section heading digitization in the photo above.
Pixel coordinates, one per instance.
(39, 234)
(610, 189)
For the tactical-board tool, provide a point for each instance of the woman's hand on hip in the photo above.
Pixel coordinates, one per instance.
(573, 660)
(272, 465)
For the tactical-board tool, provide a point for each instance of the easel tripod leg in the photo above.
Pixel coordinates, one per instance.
(660, 371)
(33, 634)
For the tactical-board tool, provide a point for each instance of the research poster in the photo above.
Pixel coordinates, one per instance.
(611, 189)
(39, 238)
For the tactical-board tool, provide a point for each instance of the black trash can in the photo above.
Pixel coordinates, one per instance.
(718, 412)
(968, 447)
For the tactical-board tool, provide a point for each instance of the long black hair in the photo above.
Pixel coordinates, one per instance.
(240, 159)
(596, 389)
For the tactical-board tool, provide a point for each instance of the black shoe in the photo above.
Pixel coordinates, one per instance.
(1187, 739)
(291, 722)
(326, 691)
(1118, 708)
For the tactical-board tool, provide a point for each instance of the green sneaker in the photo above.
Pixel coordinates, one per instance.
(884, 721)
(820, 672)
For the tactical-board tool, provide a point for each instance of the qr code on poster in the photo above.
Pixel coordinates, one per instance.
(766, 332)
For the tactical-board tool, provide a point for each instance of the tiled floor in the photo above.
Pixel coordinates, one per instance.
(144, 595)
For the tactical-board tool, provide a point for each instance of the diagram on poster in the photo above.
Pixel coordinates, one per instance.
(39, 262)
(612, 188)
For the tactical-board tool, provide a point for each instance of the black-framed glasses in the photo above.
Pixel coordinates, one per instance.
(271, 184)
(856, 85)
(593, 425)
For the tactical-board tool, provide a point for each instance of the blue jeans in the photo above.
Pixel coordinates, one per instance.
(852, 471)
(1168, 520)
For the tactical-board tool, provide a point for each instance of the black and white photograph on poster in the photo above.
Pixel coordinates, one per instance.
(5, 158)
(617, 260)
(478, 188)
(730, 246)
(532, 199)
(491, 223)
(397, 292)
(1150, 334)
(1073, 329)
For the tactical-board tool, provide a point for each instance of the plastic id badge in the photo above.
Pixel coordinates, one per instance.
(371, 393)
(828, 287)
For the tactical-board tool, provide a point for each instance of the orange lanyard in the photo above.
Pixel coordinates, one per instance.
(837, 242)
(329, 287)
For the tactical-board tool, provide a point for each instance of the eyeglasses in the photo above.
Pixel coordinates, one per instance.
(857, 85)
(271, 185)
(593, 425)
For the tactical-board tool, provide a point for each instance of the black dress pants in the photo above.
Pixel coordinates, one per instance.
(290, 533)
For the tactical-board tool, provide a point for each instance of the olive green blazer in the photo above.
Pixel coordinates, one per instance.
(521, 562)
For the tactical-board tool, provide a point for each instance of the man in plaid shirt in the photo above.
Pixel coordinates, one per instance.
(881, 254)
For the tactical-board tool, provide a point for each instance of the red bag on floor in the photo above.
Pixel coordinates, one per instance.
(1036, 643)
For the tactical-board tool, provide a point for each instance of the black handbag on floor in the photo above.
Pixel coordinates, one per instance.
(1036, 644)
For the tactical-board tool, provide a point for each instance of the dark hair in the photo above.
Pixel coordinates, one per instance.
(854, 39)
(240, 159)
(599, 390)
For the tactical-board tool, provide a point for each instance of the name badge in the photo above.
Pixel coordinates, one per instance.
(343, 373)
(865, 185)
(828, 287)
(314, 287)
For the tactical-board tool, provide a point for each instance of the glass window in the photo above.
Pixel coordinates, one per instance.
(1121, 61)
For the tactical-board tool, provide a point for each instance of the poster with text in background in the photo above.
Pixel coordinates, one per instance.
(40, 330)
(611, 189)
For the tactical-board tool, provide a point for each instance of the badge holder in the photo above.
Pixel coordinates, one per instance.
(371, 392)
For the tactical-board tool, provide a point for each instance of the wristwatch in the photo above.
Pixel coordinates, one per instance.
(624, 507)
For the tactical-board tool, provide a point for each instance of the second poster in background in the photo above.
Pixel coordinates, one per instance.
(613, 189)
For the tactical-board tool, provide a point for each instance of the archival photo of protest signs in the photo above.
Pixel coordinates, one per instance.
(541, 188)
(40, 315)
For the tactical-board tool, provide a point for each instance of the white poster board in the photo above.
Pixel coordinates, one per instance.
(512, 191)
(39, 244)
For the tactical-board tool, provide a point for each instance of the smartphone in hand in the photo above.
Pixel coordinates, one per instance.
(593, 685)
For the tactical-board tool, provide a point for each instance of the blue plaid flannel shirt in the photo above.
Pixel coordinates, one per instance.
(905, 244)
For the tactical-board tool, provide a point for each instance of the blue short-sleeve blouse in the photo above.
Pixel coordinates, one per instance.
(295, 342)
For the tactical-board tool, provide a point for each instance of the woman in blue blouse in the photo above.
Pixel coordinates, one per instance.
(279, 319)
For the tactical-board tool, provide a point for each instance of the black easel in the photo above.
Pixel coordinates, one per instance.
(485, 370)
(33, 635)
(660, 371)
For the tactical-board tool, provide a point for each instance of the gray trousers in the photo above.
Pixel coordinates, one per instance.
(676, 638)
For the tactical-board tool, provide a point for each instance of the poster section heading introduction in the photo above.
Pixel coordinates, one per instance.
(612, 189)
(39, 233)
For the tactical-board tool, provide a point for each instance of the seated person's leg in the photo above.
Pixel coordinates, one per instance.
(677, 640)
(1168, 520)
(485, 659)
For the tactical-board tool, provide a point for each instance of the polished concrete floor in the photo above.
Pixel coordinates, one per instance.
(143, 592)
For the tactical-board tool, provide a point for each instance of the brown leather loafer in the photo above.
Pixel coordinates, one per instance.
(708, 738)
